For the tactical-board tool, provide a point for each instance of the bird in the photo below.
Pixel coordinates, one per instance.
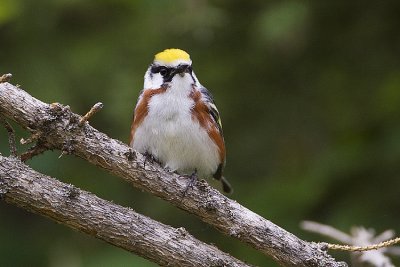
(176, 120)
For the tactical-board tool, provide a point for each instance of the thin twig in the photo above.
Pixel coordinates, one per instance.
(91, 112)
(37, 149)
(11, 136)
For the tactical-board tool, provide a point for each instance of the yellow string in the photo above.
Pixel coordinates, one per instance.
(383, 244)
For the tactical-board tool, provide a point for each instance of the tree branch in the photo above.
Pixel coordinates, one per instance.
(61, 131)
(119, 226)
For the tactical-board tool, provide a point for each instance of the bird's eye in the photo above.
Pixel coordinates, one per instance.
(163, 71)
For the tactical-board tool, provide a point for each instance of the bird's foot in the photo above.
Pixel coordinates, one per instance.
(149, 158)
(192, 181)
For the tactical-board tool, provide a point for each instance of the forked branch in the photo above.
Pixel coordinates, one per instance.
(61, 131)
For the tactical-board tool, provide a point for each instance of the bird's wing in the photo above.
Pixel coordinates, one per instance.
(212, 108)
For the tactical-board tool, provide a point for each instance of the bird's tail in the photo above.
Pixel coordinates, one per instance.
(226, 186)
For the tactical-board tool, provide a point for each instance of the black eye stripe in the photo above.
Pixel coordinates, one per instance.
(168, 73)
(161, 69)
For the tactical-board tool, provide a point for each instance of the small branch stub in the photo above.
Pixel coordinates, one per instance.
(96, 108)
(31, 139)
(37, 149)
(5, 78)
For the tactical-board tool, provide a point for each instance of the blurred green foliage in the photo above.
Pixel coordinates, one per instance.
(309, 93)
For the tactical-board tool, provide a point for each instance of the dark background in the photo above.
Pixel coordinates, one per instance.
(308, 91)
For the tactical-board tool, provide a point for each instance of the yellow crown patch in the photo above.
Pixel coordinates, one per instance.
(171, 55)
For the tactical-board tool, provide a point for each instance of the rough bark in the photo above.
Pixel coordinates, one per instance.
(60, 130)
(119, 226)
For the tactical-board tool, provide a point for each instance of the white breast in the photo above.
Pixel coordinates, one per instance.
(171, 136)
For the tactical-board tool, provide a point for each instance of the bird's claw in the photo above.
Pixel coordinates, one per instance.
(148, 158)
(192, 180)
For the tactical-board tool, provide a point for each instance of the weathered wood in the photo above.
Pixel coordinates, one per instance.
(61, 131)
(119, 226)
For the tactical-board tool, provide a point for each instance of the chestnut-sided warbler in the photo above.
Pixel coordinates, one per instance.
(176, 121)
